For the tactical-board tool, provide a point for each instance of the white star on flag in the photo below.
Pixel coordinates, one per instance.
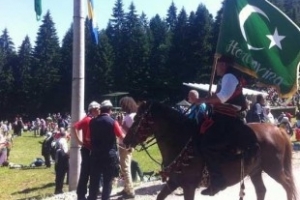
(275, 39)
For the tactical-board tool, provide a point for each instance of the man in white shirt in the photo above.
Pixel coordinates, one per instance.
(61, 162)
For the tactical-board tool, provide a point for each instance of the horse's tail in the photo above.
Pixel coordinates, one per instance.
(287, 164)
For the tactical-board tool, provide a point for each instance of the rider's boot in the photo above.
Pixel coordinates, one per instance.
(217, 181)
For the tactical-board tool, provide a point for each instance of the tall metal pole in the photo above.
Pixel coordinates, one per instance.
(77, 109)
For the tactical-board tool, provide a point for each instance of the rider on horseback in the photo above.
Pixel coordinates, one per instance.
(227, 129)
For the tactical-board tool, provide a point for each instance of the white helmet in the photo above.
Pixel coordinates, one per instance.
(106, 103)
(93, 105)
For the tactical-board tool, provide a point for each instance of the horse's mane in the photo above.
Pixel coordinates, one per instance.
(165, 110)
(174, 116)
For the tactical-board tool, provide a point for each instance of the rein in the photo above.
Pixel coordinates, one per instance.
(180, 161)
(143, 148)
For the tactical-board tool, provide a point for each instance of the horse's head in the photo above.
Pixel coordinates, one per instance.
(141, 127)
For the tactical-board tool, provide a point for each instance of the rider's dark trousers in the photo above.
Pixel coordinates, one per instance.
(225, 131)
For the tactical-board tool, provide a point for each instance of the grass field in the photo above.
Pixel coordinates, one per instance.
(38, 183)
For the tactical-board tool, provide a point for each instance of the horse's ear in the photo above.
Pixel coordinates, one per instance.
(142, 103)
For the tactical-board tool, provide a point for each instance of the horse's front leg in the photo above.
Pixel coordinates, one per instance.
(168, 188)
(189, 192)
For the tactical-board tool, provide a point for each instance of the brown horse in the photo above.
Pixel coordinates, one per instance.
(173, 132)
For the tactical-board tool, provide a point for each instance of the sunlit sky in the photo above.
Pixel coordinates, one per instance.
(20, 19)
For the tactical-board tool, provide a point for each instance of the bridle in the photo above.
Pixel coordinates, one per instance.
(144, 131)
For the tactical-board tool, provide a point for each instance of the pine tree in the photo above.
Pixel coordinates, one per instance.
(200, 48)
(179, 49)
(135, 53)
(160, 46)
(7, 64)
(46, 65)
(23, 78)
(115, 34)
(65, 89)
(172, 16)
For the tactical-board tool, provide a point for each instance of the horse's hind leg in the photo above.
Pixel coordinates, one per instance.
(168, 188)
(259, 185)
(281, 171)
(286, 181)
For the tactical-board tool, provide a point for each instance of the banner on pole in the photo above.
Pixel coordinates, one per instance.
(263, 41)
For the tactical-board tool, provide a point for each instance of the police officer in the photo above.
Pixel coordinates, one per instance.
(104, 152)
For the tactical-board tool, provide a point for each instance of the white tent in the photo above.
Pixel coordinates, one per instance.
(205, 87)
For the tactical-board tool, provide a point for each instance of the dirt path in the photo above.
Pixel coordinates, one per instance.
(149, 190)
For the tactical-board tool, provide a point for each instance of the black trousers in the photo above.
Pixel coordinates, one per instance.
(136, 170)
(84, 173)
(225, 131)
(100, 167)
(61, 169)
(47, 159)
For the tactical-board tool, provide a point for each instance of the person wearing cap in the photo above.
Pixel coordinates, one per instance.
(104, 152)
(61, 161)
(83, 125)
(226, 127)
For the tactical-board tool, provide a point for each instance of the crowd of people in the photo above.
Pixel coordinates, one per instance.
(104, 157)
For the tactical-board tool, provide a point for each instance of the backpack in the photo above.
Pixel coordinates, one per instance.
(54, 148)
(46, 145)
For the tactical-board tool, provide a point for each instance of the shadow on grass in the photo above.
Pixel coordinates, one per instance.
(29, 190)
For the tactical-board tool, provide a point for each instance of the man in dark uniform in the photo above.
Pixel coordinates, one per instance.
(227, 129)
(104, 152)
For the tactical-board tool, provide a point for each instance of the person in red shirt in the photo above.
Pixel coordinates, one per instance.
(83, 124)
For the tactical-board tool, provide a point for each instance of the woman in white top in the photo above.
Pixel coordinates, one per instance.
(128, 106)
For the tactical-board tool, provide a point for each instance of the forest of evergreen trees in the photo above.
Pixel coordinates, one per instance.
(149, 58)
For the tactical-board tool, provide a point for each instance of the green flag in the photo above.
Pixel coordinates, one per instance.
(264, 42)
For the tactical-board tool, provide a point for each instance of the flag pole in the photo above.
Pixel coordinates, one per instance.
(217, 56)
(213, 72)
(78, 76)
